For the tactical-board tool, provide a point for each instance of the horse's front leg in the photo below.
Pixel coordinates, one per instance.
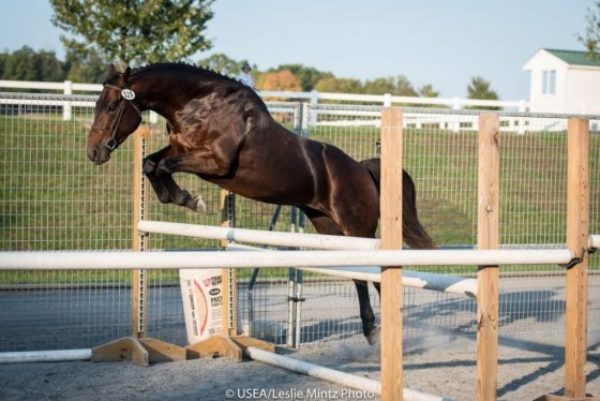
(165, 187)
(208, 160)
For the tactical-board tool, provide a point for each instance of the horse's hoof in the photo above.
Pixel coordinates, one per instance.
(198, 204)
(373, 336)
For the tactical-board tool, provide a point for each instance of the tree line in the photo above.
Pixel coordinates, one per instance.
(26, 64)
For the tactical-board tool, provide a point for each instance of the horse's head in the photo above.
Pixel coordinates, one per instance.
(117, 116)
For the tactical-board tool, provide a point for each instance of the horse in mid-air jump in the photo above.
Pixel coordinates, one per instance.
(222, 131)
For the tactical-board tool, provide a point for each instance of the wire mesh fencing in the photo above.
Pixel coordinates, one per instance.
(53, 198)
(440, 153)
(258, 302)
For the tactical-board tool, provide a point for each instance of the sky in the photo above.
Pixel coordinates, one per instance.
(440, 42)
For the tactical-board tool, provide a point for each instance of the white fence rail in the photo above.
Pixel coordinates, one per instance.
(313, 97)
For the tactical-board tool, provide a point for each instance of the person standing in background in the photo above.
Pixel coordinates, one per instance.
(245, 77)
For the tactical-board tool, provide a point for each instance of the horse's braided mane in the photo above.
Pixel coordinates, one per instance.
(184, 67)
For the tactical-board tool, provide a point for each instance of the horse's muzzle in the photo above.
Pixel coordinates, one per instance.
(98, 155)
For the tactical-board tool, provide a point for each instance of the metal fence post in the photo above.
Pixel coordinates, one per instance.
(295, 277)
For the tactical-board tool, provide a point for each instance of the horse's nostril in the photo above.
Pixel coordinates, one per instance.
(93, 154)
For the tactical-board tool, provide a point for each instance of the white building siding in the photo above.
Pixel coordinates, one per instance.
(538, 100)
(583, 95)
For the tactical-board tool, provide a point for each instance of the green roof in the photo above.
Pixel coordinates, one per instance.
(574, 57)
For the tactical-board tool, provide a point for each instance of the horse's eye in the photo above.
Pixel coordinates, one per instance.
(112, 106)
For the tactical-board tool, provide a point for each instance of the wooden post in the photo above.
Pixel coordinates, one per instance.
(229, 288)
(228, 343)
(139, 279)
(577, 240)
(488, 212)
(139, 348)
(391, 238)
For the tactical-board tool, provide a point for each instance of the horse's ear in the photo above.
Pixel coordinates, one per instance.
(112, 71)
(126, 73)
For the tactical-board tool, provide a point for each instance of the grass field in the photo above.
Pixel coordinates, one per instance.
(53, 198)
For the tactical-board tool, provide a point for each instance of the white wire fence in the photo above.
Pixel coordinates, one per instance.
(53, 198)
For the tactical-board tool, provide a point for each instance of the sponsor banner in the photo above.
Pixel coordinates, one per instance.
(202, 296)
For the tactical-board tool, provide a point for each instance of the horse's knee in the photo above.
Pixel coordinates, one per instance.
(164, 168)
(148, 166)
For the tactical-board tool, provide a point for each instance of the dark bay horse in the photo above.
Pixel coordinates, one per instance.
(222, 132)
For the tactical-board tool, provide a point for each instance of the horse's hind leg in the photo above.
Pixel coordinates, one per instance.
(325, 225)
(165, 187)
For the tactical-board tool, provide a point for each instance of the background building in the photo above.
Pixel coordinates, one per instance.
(563, 81)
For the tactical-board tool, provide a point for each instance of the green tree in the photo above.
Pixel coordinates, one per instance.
(399, 86)
(84, 68)
(222, 63)
(404, 87)
(591, 38)
(25, 64)
(479, 88)
(308, 76)
(20, 65)
(49, 68)
(380, 86)
(3, 57)
(428, 91)
(342, 85)
(133, 31)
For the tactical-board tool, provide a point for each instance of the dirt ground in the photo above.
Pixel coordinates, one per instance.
(527, 369)
(439, 351)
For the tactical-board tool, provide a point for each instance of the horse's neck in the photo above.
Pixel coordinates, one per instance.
(166, 95)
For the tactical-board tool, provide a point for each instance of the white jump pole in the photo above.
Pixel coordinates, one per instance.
(274, 238)
(46, 356)
(430, 281)
(69, 260)
(331, 375)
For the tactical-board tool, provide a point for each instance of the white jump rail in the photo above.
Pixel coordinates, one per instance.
(294, 365)
(431, 281)
(331, 375)
(274, 238)
(69, 260)
(84, 354)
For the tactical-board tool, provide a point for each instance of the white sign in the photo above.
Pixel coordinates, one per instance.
(202, 296)
(128, 94)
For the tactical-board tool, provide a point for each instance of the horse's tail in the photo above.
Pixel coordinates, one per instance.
(413, 233)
